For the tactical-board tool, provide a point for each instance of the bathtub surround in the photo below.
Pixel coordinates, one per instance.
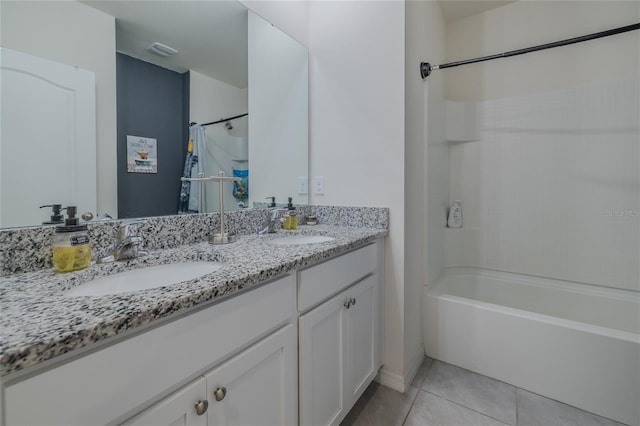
(543, 152)
(541, 182)
(29, 249)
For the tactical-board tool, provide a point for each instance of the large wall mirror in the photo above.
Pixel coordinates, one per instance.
(229, 63)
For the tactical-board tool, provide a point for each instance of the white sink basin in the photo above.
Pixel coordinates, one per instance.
(301, 239)
(144, 278)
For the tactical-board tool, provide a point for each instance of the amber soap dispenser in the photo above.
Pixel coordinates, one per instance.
(71, 245)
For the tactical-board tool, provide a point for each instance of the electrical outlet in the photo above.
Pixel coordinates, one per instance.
(318, 185)
(303, 185)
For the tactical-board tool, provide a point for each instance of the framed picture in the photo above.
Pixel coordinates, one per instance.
(142, 155)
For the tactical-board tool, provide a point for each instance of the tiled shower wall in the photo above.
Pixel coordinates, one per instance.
(552, 186)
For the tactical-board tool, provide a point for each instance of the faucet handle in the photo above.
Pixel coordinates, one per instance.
(276, 213)
(128, 230)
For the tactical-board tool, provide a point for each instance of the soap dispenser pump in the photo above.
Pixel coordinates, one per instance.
(290, 217)
(56, 217)
(71, 244)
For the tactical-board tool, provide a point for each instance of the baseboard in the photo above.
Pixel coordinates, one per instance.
(390, 380)
(399, 382)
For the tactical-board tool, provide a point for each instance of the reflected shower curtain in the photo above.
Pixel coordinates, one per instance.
(193, 168)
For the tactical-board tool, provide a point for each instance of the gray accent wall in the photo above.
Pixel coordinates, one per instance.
(152, 102)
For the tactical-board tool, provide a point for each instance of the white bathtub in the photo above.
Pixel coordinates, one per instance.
(575, 343)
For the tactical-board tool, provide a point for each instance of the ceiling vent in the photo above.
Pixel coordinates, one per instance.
(161, 49)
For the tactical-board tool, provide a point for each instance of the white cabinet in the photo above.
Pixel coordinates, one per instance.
(252, 359)
(255, 387)
(117, 382)
(258, 386)
(361, 335)
(183, 408)
(337, 350)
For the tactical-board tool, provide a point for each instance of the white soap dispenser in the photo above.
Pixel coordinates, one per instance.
(455, 215)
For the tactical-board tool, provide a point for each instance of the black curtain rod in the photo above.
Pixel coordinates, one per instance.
(426, 68)
(224, 120)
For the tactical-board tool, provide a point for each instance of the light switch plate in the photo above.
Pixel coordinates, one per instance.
(303, 185)
(318, 185)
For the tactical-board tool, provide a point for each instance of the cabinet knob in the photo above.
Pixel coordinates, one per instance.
(353, 301)
(220, 393)
(201, 407)
(347, 304)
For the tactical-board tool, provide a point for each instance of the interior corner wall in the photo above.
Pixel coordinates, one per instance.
(357, 129)
(74, 34)
(426, 167)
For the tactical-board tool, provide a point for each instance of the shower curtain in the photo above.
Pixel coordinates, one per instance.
(193, 167)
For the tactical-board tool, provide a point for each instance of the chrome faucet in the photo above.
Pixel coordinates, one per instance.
(128, 244)
(273, 222)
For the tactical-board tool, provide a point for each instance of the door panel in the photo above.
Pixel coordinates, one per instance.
(321, 363)
(48, 138)
(258, 386)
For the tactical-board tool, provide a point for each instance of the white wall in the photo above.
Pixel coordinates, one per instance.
(357, 130)
(279, 110)
(552, 187)
(51, 29)
(211, 100)
(426, 168)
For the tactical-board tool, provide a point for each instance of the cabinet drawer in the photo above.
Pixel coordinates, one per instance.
(322, 281)
(119, 380)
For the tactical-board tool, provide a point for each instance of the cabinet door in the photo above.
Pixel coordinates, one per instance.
(321, 363)
(360, 332)
(178, 409)
(257, 386)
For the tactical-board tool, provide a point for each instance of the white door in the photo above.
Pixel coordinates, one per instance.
(185, 407)
(257, 386)
(47, 140)
(322, 369)
(360, 332)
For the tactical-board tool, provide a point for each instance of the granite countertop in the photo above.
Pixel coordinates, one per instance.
(39, 322)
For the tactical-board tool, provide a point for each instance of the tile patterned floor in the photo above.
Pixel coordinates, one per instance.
(445, 395)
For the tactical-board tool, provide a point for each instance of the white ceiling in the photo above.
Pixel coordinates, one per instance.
(453, 10)
(210, 36)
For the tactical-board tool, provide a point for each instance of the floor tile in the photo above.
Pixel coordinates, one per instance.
(479, 393)
(536, 410)
(422, 372)
(380, 405)
(429, 410)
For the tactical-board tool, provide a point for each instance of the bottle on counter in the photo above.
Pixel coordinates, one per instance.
(455, 215)
(290, 217)
(71, 244)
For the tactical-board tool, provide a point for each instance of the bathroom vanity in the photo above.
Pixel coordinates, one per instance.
(280, 334)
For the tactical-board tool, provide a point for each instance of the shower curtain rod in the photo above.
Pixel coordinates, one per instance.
(224, 120)
(426, 67)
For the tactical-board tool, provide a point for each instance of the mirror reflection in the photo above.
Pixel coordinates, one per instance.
(228, 63)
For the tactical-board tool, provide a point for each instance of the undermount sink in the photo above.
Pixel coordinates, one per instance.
(144, 278)
(301, 239)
